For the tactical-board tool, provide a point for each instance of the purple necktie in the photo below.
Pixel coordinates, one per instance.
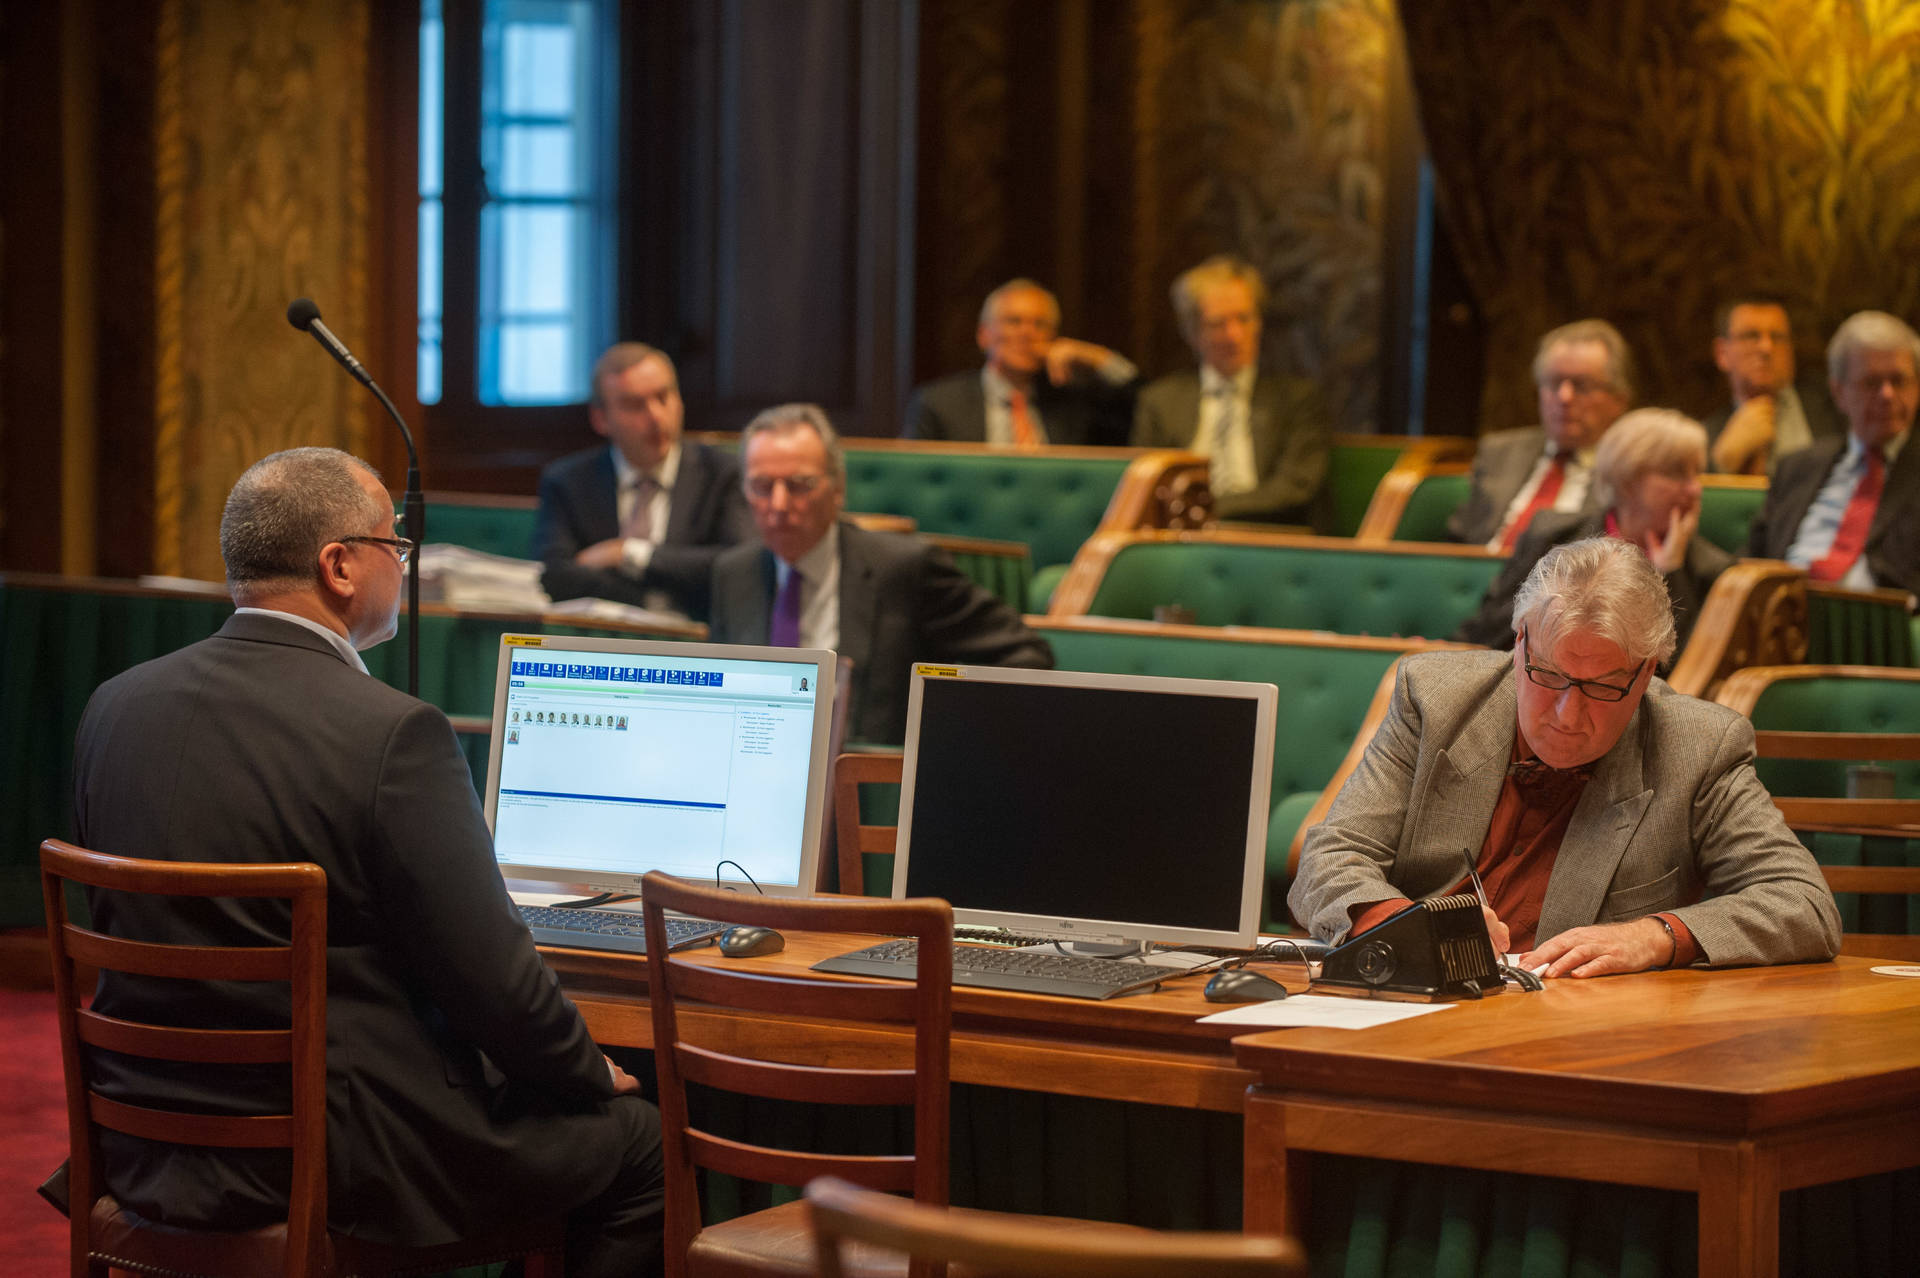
(785, 630)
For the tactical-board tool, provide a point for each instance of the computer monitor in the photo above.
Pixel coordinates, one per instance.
(613, 757)
(1106, 809)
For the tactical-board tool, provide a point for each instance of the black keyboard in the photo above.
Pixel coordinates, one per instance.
(609, 929)
(1027, 971)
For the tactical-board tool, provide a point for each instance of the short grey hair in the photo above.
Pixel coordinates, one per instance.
(621, 356)
(285, 507)
(1604, 587)
(789, 417)
(1647, 441)
(1619, 358)
(1193, 284)
(1020, 284)
(1869, 331)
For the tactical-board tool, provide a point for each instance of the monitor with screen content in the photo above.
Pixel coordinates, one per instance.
(613, 757)
(1105, 809)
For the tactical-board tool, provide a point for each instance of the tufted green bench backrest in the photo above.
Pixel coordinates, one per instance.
(1725, 513)
(1050, 502)
(1355, 467)
(498, 527)
(1302, 584)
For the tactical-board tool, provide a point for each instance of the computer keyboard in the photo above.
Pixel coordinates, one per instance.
(1028, 971)
(621, 930)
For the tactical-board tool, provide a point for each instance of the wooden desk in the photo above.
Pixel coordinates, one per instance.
(1735, 1085)
(1145, 1047)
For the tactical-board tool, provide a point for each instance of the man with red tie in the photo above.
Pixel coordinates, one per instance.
(1848, 509)
(1584, 375)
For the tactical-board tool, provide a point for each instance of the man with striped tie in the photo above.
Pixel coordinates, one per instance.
(1848, 509)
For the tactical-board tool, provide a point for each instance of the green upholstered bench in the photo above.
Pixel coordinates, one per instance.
(61, 637)
(1279, 581)
(1356, 464)
(496, 524)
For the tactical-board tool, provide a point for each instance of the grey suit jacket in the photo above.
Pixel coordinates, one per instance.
(1674, 819)
(1501, 463)
(462, 1086)
(1893, 539)
(579, 506)
(1291, 439)
(901, 601)
(955, 408)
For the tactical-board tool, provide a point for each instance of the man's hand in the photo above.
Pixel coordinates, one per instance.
(1604, 949)
(1069, 357)
(1746, 438)
(624, 1084)
(1670, 551)
(602, 554)
(1496, 930)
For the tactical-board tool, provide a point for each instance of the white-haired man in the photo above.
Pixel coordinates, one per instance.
(1617, 825)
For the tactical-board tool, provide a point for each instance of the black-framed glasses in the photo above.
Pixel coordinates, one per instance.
(799, 487)
(401, 546)
(1593, 689)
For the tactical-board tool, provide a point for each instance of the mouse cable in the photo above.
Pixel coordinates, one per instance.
(604, 898)
(743, 874)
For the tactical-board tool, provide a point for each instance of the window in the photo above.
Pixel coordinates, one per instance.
(517, 242)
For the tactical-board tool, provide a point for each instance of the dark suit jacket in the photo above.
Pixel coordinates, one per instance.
(579, 505)
(1687, 585)
(1816, 401)
(1501, 463)
(901, 601)
(434, 990)
(1083, 412)
(1893, 539)
(1291, 439)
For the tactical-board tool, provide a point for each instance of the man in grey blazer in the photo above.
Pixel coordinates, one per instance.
(464, 1091)
(1584, 376)
(1265, 437)
(1618, 825)
(641, 519)
(1036, 387)
(884, 600)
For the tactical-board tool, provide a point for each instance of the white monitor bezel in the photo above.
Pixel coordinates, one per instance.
(1106, 931)
(821, 659)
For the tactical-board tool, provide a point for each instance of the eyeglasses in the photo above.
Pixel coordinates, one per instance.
(402, 546)
(1554, 681)
(1578, 385)
(800, 487)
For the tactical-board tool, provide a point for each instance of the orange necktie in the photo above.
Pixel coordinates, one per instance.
(1026, 434)
(1851, 537)
(1542, 500)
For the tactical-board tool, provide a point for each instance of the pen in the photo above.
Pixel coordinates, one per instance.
(1479, 888)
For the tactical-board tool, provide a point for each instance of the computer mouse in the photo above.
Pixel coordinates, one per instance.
(1238, 985)
(742, 941)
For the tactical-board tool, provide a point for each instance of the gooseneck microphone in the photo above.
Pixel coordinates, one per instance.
(305, 316)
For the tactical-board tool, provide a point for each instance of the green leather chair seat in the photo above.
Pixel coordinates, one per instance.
(1369, 591)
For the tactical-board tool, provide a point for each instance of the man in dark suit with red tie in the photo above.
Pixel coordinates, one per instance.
(1848, 509)
(642, 519)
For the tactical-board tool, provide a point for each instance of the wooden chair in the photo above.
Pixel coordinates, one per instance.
(1862, 818)
(852, 839)
(105, 1235)
(995, 1243)
(774, 1241)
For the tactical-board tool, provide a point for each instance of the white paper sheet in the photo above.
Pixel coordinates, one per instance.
(1322, 1011)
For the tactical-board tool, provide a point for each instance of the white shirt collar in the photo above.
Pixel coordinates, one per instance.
(625, 472)
(334, 637)
(1889, 450)
(813, 564)
(1212, 382)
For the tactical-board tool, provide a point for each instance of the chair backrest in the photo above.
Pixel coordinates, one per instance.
(1869, 847)
(301, 964)
(927, 1005)
(997, 1243)
(853, 838)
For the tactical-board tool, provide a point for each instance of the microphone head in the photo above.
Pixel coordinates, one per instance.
(301, 312)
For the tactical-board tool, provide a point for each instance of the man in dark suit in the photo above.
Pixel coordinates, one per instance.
(1036, 387)
(641, 520)
(1847, 509)
(464, 1090)
(1265, 437)
(884, 600)
(1770, 416)
(1584, 376)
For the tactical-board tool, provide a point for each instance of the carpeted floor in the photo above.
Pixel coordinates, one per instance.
(33, 1134)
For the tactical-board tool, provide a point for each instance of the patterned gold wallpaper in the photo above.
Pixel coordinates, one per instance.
(1638, 161)
(261, 182)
